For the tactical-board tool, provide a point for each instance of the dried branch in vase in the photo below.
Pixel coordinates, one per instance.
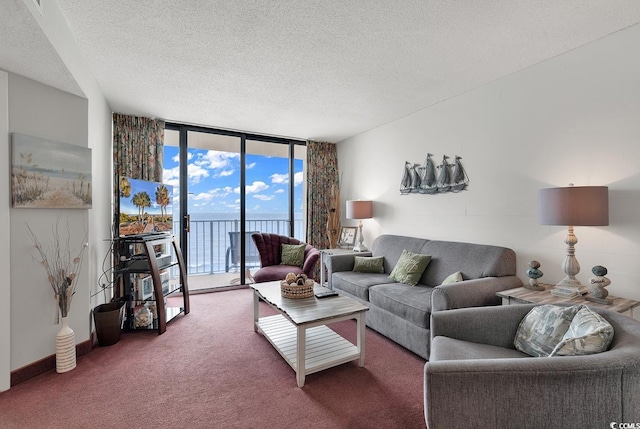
(62, 270)
(333, 217)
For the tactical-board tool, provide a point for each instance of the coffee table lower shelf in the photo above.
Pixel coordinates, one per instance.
(324, 348)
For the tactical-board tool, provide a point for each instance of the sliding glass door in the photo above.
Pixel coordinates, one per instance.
(230, 186)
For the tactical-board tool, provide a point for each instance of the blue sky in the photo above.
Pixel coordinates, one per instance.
(214, 181)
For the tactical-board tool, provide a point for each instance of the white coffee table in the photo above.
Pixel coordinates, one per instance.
(299, 332)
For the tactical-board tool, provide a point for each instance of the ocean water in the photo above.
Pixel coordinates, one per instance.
(209, 238)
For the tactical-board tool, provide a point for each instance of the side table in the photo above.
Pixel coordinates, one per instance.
(525, 296)
(324, 252)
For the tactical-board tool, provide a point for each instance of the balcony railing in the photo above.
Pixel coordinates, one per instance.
(209, 241)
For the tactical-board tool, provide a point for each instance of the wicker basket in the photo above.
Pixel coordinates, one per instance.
(295, 291)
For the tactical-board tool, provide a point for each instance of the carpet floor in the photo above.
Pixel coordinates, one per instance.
(211, 370)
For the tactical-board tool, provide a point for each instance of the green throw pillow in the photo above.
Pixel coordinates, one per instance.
(293, 254)
(368, 264)
(410, 267)
(453, 278)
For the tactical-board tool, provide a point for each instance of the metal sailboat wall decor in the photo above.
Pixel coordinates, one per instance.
(429, 179)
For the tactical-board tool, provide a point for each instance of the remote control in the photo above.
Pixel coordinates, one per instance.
(326, 294)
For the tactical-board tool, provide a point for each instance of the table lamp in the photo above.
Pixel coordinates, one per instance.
(357, 209)
(573, 206)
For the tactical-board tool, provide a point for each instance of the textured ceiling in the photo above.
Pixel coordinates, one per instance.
(325, 69)
(25, 50)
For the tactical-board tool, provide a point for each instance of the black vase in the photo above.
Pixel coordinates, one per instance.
(108, 320)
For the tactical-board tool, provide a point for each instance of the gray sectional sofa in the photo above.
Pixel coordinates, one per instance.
(402, 312)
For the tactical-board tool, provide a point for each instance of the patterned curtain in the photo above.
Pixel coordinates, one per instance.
(137, 147)
(322, 175)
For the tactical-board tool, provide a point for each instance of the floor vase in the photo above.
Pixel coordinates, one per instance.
(65, 348)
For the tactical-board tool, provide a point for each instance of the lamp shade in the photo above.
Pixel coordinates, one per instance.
(357, 209)
(574, 206)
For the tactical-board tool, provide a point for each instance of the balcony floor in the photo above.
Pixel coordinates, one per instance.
(208, 282)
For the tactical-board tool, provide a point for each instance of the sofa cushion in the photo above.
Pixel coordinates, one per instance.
(357, 284)
(368, 264)
(453, 278)
(445, 348)
(275, 272)
(410, 267)
(410, 303)
(588, 333)
(540, 331)
(293, 254)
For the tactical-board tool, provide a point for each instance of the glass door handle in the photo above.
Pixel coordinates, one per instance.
(187, 223)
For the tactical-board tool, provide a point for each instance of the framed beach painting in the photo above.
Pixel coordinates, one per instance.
(49, 174)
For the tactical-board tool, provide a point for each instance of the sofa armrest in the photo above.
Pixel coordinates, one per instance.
(499, 324)
(471, 293)
(340, 262)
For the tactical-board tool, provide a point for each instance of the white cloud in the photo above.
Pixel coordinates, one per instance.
(225, 173)
(213, 193)
(279, 178)
(250, 166)
(283, 179)
(263, 197)
(255, 187)
(279, 191)
(216, 159)
(171, 176)
(176, 157)
(196, 173)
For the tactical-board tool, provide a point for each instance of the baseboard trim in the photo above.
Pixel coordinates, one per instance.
(48, 363)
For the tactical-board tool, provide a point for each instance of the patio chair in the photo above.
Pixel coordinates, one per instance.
(232, 260)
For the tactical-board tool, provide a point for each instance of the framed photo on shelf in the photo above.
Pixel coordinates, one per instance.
(347, 236)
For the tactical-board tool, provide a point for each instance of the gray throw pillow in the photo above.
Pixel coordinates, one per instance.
(368, 264)
(410, 267)
(292, 254)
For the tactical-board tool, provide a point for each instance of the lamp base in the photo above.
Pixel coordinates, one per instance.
(360, 248)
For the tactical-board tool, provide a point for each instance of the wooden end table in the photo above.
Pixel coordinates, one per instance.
(522, 295)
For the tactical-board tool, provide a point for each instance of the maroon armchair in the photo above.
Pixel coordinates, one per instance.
(270, 249)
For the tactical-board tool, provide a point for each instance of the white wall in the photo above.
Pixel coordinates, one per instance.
(574, 118)
(27, 330)
(41, 111)
(5, 262)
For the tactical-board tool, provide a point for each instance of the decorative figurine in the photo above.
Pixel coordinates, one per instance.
(597, 285)
(534, 274)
